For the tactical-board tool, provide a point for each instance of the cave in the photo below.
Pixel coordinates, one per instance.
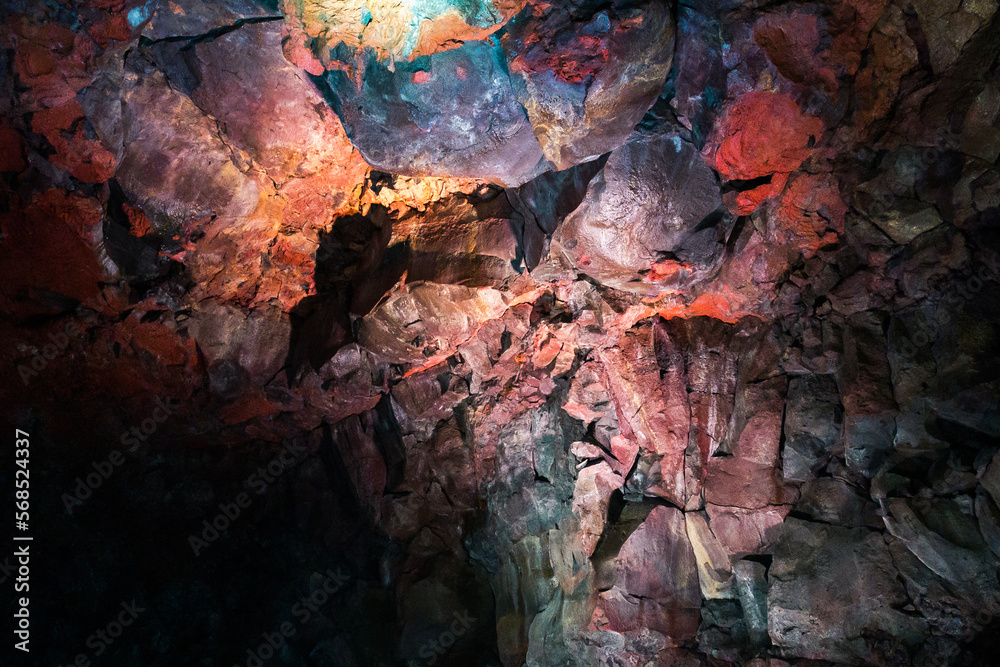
(500, 333)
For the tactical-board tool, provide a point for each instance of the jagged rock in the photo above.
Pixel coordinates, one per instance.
(268, 106)
(406, 30)
(65, 266)
(545, 201)
(967, 566)
(593, 491)
(744, 532)
(224, 333)
(586, 74)
(655, 410)
(688, 367)
(830, 588)
(671, 202)
(763, 136)
(466, 241)
(163, 19)
(811, 427)
(424, 320)
(948, 27)
(866, 394)
(751, 590)
(701, 72)
(176, 165)
(448, 114)
(666, 599)
(830, 500)
(714, 568)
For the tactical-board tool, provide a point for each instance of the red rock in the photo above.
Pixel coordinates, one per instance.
(850, 26)
(741, 483)
(115, 28)
(42, 252)
(763, 405)
(811, 213)
(655, 409)
(666, 598)
(36, 60)
(743, 532)
(792, 43)
(624, 450)
(581, 412)
(293, 44)
(86, 159)
(564, 424)
(594, 486)
(762, 134)
(161, 342)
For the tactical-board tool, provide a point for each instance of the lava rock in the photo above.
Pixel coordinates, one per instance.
(586, 77)
(831, 587)
(654, 201)
(453, 113)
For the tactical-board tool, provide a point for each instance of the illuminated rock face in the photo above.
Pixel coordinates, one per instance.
(670, 197)
(587, 73)
(598, 333)
(450, 114)
(555, 87)
(399, 30)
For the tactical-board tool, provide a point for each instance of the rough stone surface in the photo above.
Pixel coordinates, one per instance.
(832, 589)
(648, 221)
(453, 113)
(577, 333)
(586, 75)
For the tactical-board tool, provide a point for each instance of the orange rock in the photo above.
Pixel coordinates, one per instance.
(246, 408)
(712, 305)
(137, 220)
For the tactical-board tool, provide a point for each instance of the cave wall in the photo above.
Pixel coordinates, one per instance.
(583, 333)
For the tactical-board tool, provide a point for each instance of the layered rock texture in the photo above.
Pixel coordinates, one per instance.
(587, 333)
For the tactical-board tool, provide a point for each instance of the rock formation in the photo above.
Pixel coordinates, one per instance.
(530, 333)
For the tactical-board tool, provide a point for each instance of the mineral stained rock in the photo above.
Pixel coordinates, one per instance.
(558, 87)
(453, 113)
(651, 219)
(406, 30)
(586, 73)
(548, 334)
